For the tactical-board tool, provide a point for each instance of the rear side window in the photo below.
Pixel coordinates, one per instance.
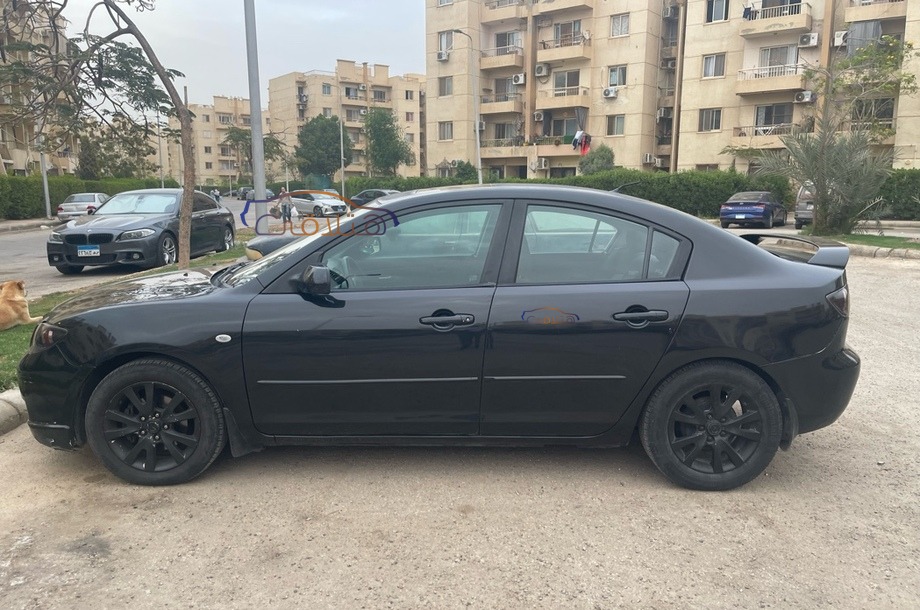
(664, 252)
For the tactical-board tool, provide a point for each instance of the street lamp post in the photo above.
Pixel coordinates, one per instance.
(476, 101)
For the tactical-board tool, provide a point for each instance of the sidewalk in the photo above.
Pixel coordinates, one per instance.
(26, 225)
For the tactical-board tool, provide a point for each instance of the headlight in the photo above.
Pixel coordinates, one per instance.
(56, 237)
(138, 234)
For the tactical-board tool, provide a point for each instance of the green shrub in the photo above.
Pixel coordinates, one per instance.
(899, 192)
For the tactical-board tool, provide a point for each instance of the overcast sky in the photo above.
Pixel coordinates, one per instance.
(206, 39)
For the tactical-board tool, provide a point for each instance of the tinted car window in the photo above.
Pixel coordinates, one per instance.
(439, 248)
(203, 204)
(664, 251)
(564, 246)
(139, 203)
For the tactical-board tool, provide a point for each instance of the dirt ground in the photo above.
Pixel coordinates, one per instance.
(835, 522)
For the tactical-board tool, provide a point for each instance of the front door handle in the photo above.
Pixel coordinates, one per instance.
(448, 322)
(637, 317)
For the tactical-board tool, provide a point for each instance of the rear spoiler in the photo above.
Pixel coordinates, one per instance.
(828, 253)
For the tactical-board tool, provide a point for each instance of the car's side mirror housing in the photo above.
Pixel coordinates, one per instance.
(315, 280)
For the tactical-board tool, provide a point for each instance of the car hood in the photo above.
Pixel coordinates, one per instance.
(115, 222)
(161, 287)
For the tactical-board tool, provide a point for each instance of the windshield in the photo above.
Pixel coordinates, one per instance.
(293, 250)
(139, 203)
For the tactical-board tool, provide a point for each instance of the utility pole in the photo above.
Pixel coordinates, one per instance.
(255, 113)
(474, 70)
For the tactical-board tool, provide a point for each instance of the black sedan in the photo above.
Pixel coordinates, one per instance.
(368, 195)
(500, 315)
(139, 228)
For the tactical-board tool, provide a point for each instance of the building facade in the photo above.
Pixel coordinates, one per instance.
(349, 92)
(667, 84)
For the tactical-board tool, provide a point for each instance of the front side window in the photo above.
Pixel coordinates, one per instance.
(619, 25)
(710, 119)
(714, 65)
(441, 248)
(716, 10)
(564, 246)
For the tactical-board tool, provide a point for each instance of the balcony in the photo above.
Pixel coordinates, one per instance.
(556, 6)
(503, 148)
(566, 97)
(770, 79)
(570, 46)
(871, 10)
(762, 136)
(501, 103)
(556, 146)
(786, 19)
(501, 10)
(502, 57)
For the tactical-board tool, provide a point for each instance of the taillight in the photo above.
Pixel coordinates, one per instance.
(840, 300)
(47, 335)
(60, 209)
(759, 207)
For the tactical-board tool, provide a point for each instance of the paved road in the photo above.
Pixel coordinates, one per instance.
(832, 523)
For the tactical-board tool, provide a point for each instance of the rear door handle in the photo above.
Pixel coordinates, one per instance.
(655, 315)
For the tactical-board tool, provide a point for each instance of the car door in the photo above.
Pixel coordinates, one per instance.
(205, 234)
(586, 306)
(397, 347)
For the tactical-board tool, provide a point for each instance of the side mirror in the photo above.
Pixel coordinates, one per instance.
(316, 280)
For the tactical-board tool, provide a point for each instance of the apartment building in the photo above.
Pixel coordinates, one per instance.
(349, 92)
(667, 84)
(216, 163)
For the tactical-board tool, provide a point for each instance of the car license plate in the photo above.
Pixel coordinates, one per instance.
(739, 215)
(87, 250)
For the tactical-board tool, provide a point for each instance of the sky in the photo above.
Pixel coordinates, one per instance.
(206, 39)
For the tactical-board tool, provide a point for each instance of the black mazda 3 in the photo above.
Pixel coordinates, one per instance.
(501, 315)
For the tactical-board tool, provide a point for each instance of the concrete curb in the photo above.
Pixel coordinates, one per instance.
(10, 226)
(12, 411)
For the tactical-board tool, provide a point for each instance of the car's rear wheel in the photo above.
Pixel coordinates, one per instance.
(69, 269)
(155, 422)
(768, 223)
(228, 240)
(712, 426)
(725, 224)
(167, 250)
(785, 218)
(799, 225)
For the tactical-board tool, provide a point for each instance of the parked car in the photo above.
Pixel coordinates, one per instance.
(79, 204)
(139, 228)
(439, 318)
(805, 205)
(369, 195)
(753, 207)
(319, 205)
(243, 192)
(251, 194)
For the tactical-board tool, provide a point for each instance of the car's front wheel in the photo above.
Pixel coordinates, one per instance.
(69, 269)
(318, 212)
(167, 250)
(155, 422)
(227, 241)
(712, 426)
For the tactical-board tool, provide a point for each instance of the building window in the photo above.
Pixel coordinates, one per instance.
(227, 165)
(410, 95)
(300, 92)
(225, 119)
(351, 93)
(207, 150)
(769, 116)
(714, 65)
(563, 127)
(226, 151)
(617, 77)
(710, 119)
(619, 25)
(245, 120)
(208, 165)
(776, 60)
(707, 167)
(446, 85)
(410, 117)
(716, 10)
(443, 172)
(410, 138)
(301, 114)
(206, 134)
(567, 34)
(566, 83)
(445, 40)
(327, 112)
(352, 115)
(445, 2)
(616, 124)
(505, 131)
(446, 130)
(327, 89)
(873, 113)
(206, 118)
(380, 96)
(507, 43)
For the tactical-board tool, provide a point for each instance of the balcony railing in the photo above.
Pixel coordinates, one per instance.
(506, 50)
(877, 124)
(566, 91)
(780, 129)
(500, 97)
(557, 140)
(569, 40)
(868, 2)
(493, 4)
(515, 141)
(770, 71)
(776, 11)
(664, 140)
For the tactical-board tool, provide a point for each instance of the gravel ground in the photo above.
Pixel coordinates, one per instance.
(832, 523)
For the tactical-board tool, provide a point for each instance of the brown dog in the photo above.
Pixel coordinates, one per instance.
(14, 309)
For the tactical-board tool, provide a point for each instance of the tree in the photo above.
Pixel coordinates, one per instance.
(838, 152)
(89, 161)
(317, 150)
(240, 140)
(598, 159)
(386, 147)
(68, 84)
(117, 152)
(466, 172)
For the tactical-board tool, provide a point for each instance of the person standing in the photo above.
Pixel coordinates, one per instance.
(286, 205)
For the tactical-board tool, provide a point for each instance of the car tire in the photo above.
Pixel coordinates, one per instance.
(318, 212)
(136, 430)
(799, 225)
(725, 224)
(228, 241)
(167, 250)
(768, 223)
(69, 269)
(709, 446)
(785, 218)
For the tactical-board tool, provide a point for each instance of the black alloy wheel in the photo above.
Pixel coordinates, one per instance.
(228, 241)
(155, 422)
(712, 426)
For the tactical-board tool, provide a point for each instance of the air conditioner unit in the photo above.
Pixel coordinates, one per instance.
(443, 55)
(610, 92)
(664, 113)
(362, 87)
(808, 40)
(538, 116)
(671, 12)
(659, 162)
(541, 70)
(481, 125)
(519, 79)
(805, 97)
(302, 98)
(668, 64)
(542, 163)
(840, 38)
(648, 159)
(363, 111)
